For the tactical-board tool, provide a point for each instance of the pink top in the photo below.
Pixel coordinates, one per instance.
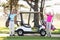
(49, 17)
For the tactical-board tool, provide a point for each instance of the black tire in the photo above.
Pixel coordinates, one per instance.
(42, 32)
(20, 32)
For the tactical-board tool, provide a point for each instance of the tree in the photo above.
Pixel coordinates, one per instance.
(13, 3)
(35, 8)
(41, 11)
(36, 15)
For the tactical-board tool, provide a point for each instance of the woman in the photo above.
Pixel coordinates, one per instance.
(48, 23)
(11, 22)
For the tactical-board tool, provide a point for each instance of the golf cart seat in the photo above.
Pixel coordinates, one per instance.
(26, 25)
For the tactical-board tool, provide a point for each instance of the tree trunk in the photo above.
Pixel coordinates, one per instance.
(41, 11)
(35, 8)
(10, 6)
(36, 15)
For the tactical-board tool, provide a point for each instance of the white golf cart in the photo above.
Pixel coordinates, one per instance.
(26, 28)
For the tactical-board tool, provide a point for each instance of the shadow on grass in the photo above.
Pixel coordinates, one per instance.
(30, 38)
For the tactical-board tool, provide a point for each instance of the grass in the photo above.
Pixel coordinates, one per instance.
(29, 38)
(57, 31)
(6, 30)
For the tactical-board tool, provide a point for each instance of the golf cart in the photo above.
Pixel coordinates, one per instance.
(26, 28)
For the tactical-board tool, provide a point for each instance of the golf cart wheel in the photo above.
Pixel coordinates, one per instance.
(20, 32)
(42, 32)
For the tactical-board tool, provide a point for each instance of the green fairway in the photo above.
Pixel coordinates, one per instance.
(29, 38)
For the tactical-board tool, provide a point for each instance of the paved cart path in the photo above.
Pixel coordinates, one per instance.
(53, 35)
